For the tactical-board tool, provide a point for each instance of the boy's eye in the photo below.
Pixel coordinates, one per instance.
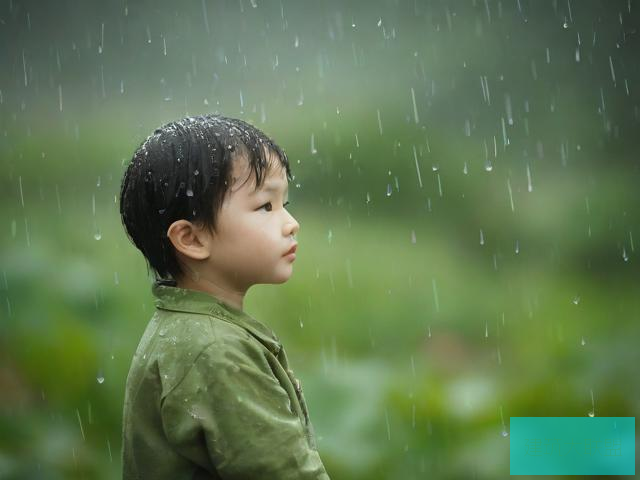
(269, 204)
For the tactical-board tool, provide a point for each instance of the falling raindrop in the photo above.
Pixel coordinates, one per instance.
(415, 108)
(97, 235)
(389, 189)
(100, 378)
(413, 236)
(313, 145)
(435, 294)
(504, 432)
(80, 422)
(510, 194)
(576, 300)
(582, 342)
(481, 237)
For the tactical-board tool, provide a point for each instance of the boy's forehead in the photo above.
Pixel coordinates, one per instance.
(275, 178)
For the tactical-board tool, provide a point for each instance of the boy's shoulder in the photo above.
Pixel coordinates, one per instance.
(189, 333)
(182, 339)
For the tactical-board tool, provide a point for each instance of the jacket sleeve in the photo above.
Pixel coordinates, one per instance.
(230, 414)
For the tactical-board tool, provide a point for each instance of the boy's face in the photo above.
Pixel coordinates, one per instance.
(254, 232)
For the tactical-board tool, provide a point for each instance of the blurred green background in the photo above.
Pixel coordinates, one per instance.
(466, 181)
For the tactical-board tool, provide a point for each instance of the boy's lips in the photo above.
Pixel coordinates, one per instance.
(292, 249)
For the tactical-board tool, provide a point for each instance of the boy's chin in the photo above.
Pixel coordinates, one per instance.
(282, 276)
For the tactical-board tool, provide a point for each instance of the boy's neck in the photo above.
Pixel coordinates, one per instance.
(233, 298)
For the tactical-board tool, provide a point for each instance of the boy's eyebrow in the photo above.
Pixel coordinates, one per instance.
(272, 188)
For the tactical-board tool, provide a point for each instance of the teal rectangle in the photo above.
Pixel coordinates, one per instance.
(572, 446)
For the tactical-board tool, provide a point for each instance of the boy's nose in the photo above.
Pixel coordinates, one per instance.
(292, 227)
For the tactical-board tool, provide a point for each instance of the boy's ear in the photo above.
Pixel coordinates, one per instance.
(189, 239)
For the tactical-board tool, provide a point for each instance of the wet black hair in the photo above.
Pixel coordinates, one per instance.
(182, 171)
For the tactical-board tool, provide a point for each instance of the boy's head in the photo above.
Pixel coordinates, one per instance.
(195, 200)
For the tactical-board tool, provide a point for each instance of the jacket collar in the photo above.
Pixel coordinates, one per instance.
(168, 296)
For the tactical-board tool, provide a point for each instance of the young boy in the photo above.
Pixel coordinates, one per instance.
(210, 394)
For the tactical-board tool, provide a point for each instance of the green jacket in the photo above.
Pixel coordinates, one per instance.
(210, 395)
